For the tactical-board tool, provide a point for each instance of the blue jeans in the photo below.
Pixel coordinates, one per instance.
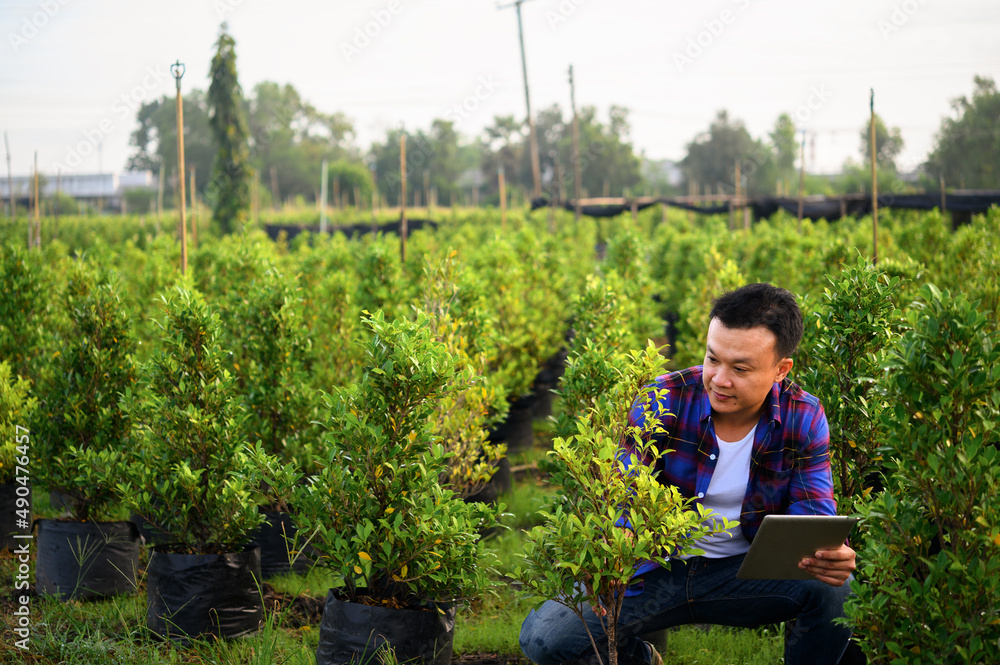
(699, 590)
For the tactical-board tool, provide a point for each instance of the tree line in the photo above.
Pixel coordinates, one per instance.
(284, 139)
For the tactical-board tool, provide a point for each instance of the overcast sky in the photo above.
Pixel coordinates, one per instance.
(74, 72)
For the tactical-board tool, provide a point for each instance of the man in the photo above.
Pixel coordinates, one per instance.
(745, 442)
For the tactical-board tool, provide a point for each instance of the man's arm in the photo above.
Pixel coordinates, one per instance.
(813, 486)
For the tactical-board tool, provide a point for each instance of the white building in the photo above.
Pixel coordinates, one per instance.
(108, 188)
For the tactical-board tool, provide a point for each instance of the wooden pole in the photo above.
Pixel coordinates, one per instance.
(177, 69)
(802, 180)
(323, 178)
(536, 172)
(577, 168)
(38, 219)
(944, 205)
(194, 210)
(55, 224)
(371, 170)
(427, 188)
(874, 182)
(275, 198)
(12, 207)
(159, 198)
(503, 200)
(402, 198)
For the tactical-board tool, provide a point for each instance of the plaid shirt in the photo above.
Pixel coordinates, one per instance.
(790, 463)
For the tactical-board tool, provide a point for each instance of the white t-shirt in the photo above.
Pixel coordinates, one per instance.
(725, 496)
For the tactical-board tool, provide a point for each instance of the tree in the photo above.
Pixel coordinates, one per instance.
(967, 151)
(712, 157)
(231, 172)
(888, 144)
(289, 135)
(786, 148)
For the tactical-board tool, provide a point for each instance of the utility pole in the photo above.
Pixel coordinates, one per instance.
(10, 179)
(874, 182)
(536, 171)
(577, 170)
(177, 69)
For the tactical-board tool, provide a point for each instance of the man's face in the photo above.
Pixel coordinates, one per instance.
(740, 368)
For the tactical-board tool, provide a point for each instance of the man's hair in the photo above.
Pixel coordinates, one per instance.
(765, 305)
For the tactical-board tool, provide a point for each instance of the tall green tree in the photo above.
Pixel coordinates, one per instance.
(231, 172)
(967, 152)
(888, 144)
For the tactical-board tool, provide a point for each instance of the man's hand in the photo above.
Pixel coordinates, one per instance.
(831, 566)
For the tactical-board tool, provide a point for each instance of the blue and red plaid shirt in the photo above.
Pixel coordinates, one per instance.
(790, 463)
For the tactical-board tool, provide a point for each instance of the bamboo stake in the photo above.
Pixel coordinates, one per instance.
(10, 181)
(322, 195)
(38, 221)
(802, 180)
(275, 199)
(874, 183)
(503, 200)
(159, 199)
(177, 69)
(194, 210)
(402, 198)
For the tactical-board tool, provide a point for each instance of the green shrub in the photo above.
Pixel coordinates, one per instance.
(854, 329)
(80, 429)
(375, 512)
(188, 471)
(930, 574)
(16, 406)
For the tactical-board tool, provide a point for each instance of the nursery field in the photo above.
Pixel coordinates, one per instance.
(401, 414)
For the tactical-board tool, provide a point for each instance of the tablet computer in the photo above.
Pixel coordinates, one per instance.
(784, 540)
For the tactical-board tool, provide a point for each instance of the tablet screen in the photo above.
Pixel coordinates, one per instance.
(784, 540)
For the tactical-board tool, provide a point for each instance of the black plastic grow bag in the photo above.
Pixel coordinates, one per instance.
(188, 595)
(275, 537)
(86, 559)
(351, 633)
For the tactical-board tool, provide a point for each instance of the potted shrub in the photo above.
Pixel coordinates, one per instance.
(405, 548)
(270, 364)
(477, 468)
(190, 474)
(80, 430)
(15, 407)
(611, 513)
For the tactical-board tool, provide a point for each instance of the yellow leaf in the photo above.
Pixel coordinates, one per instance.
(357, 569)
(996, 539)
(390, 510)
(402, 571)
(364, 556)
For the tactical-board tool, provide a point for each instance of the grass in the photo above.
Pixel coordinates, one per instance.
(114, 630)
